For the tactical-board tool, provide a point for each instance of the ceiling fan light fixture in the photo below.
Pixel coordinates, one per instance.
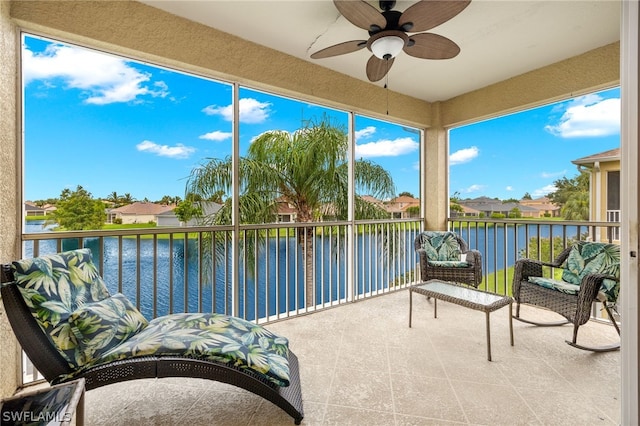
(387, 47)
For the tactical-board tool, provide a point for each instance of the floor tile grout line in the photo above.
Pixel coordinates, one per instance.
(393, 399)
(333, 375)
(448, 378)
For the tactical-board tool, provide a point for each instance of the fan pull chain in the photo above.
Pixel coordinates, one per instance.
(386, 85)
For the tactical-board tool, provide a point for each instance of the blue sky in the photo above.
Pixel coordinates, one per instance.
(110, 124)
(526, 152)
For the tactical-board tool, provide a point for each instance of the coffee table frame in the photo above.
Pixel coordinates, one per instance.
(463, 296)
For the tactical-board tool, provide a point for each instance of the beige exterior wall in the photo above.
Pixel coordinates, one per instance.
(598, 188)
(137, 218)
(9, 202)
(594, 70)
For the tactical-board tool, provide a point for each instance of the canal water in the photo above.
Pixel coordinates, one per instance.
(279, 272)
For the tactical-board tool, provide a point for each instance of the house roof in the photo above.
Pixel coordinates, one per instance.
(610, 155)
(405, 199)
(468, 209)
(542, 203)
(143, 208)
(285, 208)
(372, 200)
(33, 208)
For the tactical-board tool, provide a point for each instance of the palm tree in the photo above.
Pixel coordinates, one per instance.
(308, 169)
(127, 199)
(577, 206)
(113, 198)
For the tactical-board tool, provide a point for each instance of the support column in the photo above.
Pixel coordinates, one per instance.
(630, 213)
(9, 202)
(435, 197)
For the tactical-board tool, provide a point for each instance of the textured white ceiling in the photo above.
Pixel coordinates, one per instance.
(498, 39)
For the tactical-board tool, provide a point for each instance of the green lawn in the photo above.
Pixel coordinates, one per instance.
(495, 282)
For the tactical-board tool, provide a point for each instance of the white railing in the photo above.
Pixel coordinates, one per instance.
(614, 216)
(168, 270)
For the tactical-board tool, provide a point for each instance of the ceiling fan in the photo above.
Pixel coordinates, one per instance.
(388, 32)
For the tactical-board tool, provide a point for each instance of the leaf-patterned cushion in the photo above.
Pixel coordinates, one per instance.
(440, 246)
(215, 337)
(449, 263)
(103, 325)
(53, 286)
(558, 285)
(591, 258)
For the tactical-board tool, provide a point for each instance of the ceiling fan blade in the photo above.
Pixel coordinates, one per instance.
(361, 14)
(378, 68)
(427, 14)
(432, 46)
(340, 49)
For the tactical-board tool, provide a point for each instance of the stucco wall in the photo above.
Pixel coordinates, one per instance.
(9, 365)
(591, 71)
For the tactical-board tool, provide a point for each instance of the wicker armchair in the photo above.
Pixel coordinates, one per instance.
(590, 273)
(445, 256)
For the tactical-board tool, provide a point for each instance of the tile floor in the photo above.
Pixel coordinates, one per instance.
(361, 364)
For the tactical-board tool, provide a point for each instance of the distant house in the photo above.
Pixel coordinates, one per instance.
(169, 218)
(286, 212)
(466, 212)
(604, 187)
(49, 208)
(138, 212)
(398, 206)
(31, 209)
(544, 206)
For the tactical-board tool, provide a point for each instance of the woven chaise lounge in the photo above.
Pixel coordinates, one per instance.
(71, 327)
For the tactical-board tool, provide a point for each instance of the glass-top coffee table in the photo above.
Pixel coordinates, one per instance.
(463, 296)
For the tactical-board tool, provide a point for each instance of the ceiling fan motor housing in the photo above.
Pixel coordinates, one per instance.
(392, 17)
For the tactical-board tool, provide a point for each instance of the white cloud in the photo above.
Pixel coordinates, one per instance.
(216, 136)
(463, 155)
(473, 188)
(549, 175)
(386, 148)
(541, 192)
(177, 151)
(251, 111)
(588, 116)
(509, 188)
(366, 132)
(104, 79)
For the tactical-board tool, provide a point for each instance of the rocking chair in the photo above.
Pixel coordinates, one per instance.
(590, 273)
